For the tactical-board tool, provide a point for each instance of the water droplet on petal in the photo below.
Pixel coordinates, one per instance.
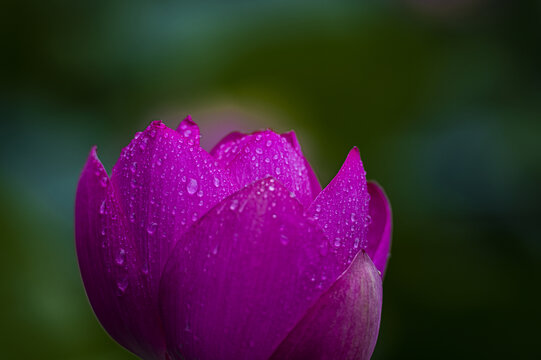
(102, 207)
(122, 285)
(234, 204)
(192, 186)
(120, 257)
(151, 228)
(368, 220)
(216, 182)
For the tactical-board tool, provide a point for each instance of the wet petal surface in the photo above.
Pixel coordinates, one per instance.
(342, 209)
(241, 279)
(111, 269)
(189, 130)
(262, 154)
(165, 182)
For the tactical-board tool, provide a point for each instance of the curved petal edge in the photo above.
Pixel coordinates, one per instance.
(380, 228)
(344, 323)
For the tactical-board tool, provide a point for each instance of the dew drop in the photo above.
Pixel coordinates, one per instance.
(269, 143)
(143, 143)
(216, 182)
(192, 186)
(277, 171)
(122, 285)
(356, 243)
(187, 132)
(259, 151)
(337, 242)
(144, 268)
(151, 228)
(234, 204)
(102, 207)
(120, 257)
(367, 220)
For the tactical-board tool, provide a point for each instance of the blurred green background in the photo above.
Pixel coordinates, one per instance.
(443, 99)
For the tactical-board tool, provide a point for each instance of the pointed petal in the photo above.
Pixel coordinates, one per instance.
(342, 208)
(380, 228)
(110, 267)
(189, 129)
(315, 186)
(165, 183)
(239, 280)
(344, 323)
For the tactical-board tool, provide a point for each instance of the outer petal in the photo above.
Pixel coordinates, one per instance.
(315, 186)
(165, 184)
(380, 229)
(244, 275)
(342, 208)
(189, 130)
(110, 266)
(344, 323)
(262, 154)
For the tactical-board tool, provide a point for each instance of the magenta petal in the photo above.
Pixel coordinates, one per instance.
(342, 208)
(344, 323)
(189, 129)
(165, 183)
(315, 186)
(380, 229)
(263, 154)
(109, 265)
(225, 143)
(240, 280)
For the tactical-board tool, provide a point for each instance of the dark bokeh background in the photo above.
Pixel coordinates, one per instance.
(443, 99)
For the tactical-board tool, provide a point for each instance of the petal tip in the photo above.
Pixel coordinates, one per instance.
(157, 124)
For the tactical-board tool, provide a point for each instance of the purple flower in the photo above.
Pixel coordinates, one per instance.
(232, 254)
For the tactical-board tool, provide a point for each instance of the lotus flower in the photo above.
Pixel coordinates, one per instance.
(233, 254)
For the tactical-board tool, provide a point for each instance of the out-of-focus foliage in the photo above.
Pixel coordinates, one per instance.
(443, 99)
